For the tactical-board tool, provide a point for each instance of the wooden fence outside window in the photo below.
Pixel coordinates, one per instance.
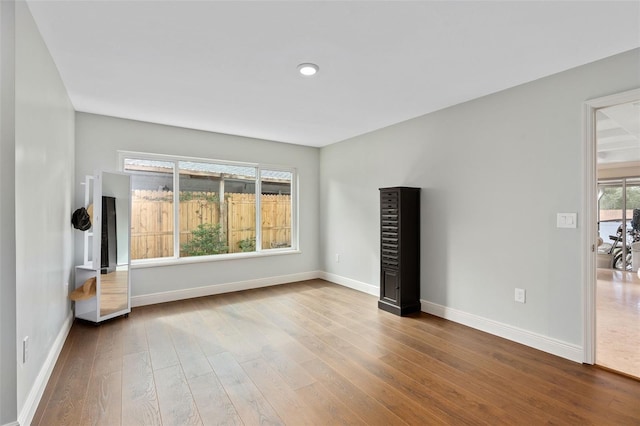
(152, 220)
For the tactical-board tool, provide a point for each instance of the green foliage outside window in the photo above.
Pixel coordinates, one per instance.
(612, 198)
(248, 244)
(206, 239)
(204, 196)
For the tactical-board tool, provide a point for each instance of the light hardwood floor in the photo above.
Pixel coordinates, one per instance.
(618, 321)
(316, 353)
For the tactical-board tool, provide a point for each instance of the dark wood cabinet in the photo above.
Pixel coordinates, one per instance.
(399, 250)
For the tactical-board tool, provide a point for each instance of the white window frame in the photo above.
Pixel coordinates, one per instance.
(259, 252)
(294, 205)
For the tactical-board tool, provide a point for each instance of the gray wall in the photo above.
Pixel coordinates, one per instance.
(44, 147)
(494, 172)
(98, 138)
(8, 404)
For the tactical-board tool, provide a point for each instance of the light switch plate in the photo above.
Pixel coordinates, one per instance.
(567, 220)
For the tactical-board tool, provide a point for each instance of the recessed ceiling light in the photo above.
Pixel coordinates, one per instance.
(308, 70)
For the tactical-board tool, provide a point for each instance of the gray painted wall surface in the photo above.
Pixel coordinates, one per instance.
(44, 187)
(494, 172)
(8, 404)
(98, 139)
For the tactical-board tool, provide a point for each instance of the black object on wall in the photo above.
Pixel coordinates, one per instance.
(399, 250)
(109, 243)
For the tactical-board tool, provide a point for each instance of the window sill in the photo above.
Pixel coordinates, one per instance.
(154, 263)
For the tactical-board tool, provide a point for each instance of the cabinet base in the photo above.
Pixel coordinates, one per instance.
(399, 310)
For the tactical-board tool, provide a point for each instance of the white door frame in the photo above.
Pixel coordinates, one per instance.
(589, 197)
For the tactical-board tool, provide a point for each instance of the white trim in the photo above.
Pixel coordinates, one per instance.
(588, 235)
(176, 206)
(11, 424)
(258, 207)
(122, 155)
(171, 261)
(546, 344)
(170, 296)
(589, 178)
(348, 282)
(31, 404)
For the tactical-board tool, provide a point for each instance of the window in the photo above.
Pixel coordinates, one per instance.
(184, 207)
(152, 222)
(275, 206)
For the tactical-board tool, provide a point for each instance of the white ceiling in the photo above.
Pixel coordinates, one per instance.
(618, 133)
(230, 66)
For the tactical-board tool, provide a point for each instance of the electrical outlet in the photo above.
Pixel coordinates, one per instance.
(337, 258)
(25, 349)
(520, 295)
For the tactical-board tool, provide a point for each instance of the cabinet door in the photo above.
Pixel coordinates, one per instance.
(389, 230)
(389, 286)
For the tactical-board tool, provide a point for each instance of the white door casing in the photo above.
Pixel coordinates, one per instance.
(589, 234)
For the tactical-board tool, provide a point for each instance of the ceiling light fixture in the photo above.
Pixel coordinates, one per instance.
(308, 69)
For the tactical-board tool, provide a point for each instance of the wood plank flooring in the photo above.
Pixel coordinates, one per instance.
(618, 321)
(315, 353)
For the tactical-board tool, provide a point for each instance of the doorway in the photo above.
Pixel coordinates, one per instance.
(612, 195)
(617, 281)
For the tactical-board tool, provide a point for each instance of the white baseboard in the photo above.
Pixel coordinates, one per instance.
(31, 404)
(170, 296)
(546, 344)
(11, 424)
(348, 282)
